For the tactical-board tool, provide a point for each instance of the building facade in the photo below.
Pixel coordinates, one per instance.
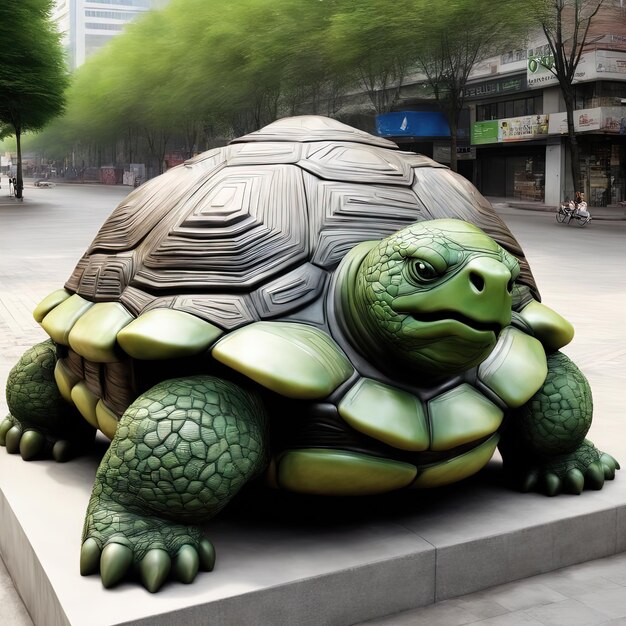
(512, 139)
(520, 133)
(86, 25)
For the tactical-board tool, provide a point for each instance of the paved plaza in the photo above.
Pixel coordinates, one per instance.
(581, 272)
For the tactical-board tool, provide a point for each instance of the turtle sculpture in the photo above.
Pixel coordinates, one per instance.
(309, 304)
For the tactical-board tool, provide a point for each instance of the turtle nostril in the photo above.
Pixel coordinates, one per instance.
(477, 280)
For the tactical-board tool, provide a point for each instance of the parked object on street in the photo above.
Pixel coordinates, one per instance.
(307, 304)
(43, 183)
(569, 212)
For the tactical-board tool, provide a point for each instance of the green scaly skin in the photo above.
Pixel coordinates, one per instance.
(40, 420)
(181, 452)
(403, 294)
(543, 445)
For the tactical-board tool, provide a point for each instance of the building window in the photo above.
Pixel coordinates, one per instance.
(128, 3)
(99, 26)
(112, 15)
(520, 107)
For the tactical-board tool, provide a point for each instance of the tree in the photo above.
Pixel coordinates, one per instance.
(33, 76)
(567, 25)
(457, 36)
(375, 45)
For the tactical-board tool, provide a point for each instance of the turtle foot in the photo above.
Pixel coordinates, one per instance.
(120, 544)
(32, 443)
(585, 468)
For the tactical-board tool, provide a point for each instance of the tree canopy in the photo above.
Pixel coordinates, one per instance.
(179, 77)
(33, 77)
(461, 34)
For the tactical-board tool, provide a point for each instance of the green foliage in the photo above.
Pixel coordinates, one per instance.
(202, 67)
(459, 34)
(32, 72)
(375, 43)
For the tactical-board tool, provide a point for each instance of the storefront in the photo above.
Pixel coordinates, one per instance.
(601, 135)
(511, 156)
(516, 174)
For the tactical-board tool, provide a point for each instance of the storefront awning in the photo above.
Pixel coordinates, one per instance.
(412, 124)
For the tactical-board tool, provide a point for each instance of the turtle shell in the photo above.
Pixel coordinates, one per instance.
(251, 231)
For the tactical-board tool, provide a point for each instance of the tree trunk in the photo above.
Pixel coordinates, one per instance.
(20, 179)
(573, 142)
(453, 142)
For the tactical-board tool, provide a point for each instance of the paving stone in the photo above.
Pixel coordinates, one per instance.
(567, 613)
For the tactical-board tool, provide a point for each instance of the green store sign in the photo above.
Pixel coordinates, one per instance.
(485, 132)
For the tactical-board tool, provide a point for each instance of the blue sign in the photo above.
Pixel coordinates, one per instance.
(413, 124)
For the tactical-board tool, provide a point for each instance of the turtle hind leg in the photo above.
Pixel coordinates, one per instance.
(543, 443)
(40, 420)
(181, 452)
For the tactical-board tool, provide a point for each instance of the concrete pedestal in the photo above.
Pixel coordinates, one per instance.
(284, 559)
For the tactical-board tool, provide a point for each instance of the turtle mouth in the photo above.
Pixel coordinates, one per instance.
(443, 316)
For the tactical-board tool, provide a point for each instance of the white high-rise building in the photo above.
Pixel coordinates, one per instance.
(88, 24)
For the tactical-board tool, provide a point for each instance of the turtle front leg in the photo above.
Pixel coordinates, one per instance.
(181, 452)
(543, 444)
(40, 420)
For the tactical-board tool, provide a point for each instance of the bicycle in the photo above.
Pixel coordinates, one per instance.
(568, 211)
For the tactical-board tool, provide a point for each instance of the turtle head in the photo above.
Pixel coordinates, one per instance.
(431, 298)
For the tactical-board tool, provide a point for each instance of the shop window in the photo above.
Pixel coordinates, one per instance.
(509, 108)
(519, 108)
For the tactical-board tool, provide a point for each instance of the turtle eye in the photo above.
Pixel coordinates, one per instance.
(420, 272)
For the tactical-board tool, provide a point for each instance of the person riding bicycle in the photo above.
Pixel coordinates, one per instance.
(578, 199)
(580, 206)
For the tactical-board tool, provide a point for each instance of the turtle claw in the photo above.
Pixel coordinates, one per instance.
(574, 482)
(609, 465)
(12, 439)
(154, 569)
(89, 557)
(529, 482)
(63, 450)
(552, 484)
(594, 477)
(32, 444)
(186, 564)
(584, 468)
(206, 553)
(114, 563)
(154, 549)
(5, 426)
